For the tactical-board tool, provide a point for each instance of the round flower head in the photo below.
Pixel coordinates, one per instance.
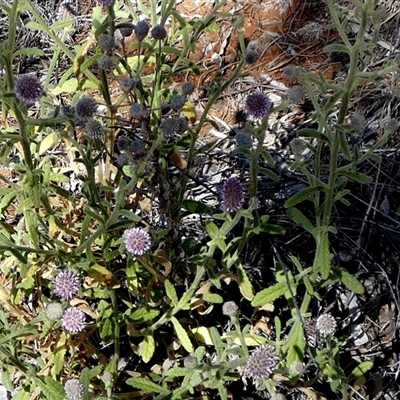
(261, 362)
(187, 88)
(159, 32)
(258, 104)
(127, 31)
(296, 94)
(170, 126)
(28, 89)
(73, 389)
(229, 308)
(357, 122)
(66, 284)
(237, 21)
(107, 3)
(122, 159)
(243, 138)
(54, 311)
(137, 111)
(392, 124)
(177, 102)
(94, 130)
(85, 107)
(190, 362)
(296, 368)
(127, 84)
(105, 62)
(138, 147)
(123, 144)
(141, 30)
(326, 324)
(232, 195)
(137, 241)
(73, 320)
(291, 72)
(106, 42)
(252, 53)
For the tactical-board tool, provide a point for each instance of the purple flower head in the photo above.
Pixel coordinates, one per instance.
(177, 102)
(232, 195)
(85, 107)
(137, 241)
(258, 104)
(28, 88)
(326, 324)
(261, 362)
(66, 284)
(94, 130)
(106, 42)
(188, 88)
(230, 308)
(159, 32)
(73, 389)
(73, 320)
(141, 30)
(107, 3)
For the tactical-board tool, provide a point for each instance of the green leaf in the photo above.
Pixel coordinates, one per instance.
(313, 133)
(51, 389)
(360, 370)
(272, 229)
(147, 347)
(323, 256)
(212, 298)
(350, 281)
(336, 47)
(300, 219)
(357, 176)
(212, 229)
(146, 385)
(302, 195)
(29, 51)
(194, 206)
(245, 286)
(34, 26)
(171, 292)
(63, 23)
(270, 294)
(59, 356)
(49, 141)
(295, 344)
(267, 172)
(344, 145)
(69, 86)
(143, 314)
(182, 335)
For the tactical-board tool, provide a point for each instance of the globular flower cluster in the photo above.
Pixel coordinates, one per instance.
(73, 320)
(105, 62)
(85, 107)
(326, 324)
(230, 308)
(66, 285)
(94, 130)
(106, 42)
(261, 363)
(54, 311)
(232, 195)
(258, 104)
(296, 94)
(28, 88)
(137, 241)
(107, 3)
(141, 30)
(159, 32)
(73, 389)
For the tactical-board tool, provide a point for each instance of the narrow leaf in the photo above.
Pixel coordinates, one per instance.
(194, 206)
(171, 292)
(360, 370)
(270, 294)
(300, 219)
(295, 344)
(358, 176)
(302, 195)
(344, 145)
(313, 133)
(245, 286)
(182, 335)
(146, 385)
(350, 281)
